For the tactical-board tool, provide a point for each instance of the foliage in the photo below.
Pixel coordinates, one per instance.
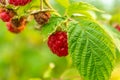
(93, 47)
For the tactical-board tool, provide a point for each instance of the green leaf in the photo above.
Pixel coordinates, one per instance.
(114, 34)
(92, 50)
(22, 11)
(71, 74)
(51, 26)
(81, 8)
(117, 57)
(58, 6)
(116, 38)
(64, 3)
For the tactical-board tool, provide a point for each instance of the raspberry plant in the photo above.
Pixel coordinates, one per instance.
(92, 46)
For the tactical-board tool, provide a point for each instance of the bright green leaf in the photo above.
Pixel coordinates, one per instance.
(64, 3)
(114, 34)
(81, 8)
(51, 26)
(32, 5)
(92, 50)
(116, 38)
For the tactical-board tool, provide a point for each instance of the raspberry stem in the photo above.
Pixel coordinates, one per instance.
(41, 5)
(49, 6)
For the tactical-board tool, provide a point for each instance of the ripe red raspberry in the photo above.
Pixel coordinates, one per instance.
(19, 2)
(16, 25)
(57, 43)
(117, 27)
(6, 15)
(42, 17)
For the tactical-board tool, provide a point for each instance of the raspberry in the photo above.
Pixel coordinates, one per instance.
(42, 17)
(16, 26)
(19, 2)
(6, 16)
(117, 27)
(57, 43)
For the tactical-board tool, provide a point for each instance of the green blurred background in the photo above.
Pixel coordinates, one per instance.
(26, 56)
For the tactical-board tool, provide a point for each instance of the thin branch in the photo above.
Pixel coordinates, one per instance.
(41, 5)
(49, 6)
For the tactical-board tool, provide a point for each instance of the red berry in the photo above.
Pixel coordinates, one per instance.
(19, 2)
(16, 26)
(117, 27)
(5, 16)
(57, 43)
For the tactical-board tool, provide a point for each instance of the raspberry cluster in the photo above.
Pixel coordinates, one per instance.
(14, 25)
(11, 17)
(57, 43)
